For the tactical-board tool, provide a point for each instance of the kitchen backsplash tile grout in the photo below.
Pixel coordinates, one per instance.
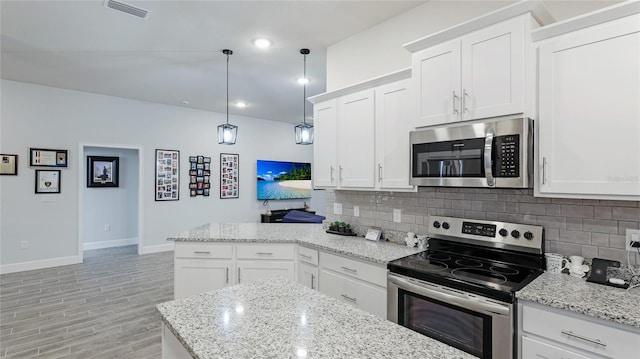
(590, 228)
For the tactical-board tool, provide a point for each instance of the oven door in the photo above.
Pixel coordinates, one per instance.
(474, 324)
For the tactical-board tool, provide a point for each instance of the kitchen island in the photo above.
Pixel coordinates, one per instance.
(276, 318)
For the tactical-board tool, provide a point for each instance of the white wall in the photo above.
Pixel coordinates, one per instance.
(113, 206)
(378, 50)
(39, 116)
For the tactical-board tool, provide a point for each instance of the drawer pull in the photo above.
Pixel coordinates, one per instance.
(304, 256)
(348, 298)
(201, 252)
(350, 269)
(264, 253)
(577, 336)
(313, 279)
(227, 270)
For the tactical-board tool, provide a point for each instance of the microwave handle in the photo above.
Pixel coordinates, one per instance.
(488, 156)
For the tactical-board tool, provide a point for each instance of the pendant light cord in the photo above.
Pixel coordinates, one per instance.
(304, 92)
(227, 88)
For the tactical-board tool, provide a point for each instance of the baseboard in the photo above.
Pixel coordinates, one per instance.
(40, 264)
(157, 248)
(109, 244)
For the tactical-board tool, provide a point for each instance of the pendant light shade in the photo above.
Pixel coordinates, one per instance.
(304, 131)
(227, 133)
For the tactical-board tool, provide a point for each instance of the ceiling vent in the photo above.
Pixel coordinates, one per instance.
(131, 10)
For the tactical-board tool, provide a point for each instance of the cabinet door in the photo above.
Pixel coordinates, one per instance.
(493, 71)
(589, 114)
(362, 295)
(436, 84)
(193, 276)
(249, 271)
(356, 140)
(308, 275)
(534, 349)
(325, 166)
(392, 136)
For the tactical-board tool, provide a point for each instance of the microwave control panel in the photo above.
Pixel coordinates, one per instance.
(507, 149)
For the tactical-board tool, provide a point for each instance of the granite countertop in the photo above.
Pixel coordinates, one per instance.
(309, 235)
(276, 318)
(577, 295)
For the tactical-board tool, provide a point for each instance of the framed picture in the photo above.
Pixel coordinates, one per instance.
(167, 183)
(8, 164)
(40, 157)
(199, 175)
(103, 171)
(229, 175)
(47, 181)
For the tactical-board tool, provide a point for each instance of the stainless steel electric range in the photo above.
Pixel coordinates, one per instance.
(461, 290)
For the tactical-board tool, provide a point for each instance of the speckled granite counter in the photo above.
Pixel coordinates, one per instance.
(310, 235)
(577, 295)
(276, 318)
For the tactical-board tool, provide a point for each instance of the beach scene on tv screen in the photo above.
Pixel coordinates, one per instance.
(283, 180)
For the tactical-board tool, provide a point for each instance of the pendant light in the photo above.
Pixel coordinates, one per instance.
(227, 133)
(304, 131)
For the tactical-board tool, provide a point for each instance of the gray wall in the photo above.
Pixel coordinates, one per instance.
(590, 228)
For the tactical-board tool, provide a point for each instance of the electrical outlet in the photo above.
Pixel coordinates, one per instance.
(632, 241)
(24, 244)
(356, 211)
(107, 227)
(337, 208)
(397, 215)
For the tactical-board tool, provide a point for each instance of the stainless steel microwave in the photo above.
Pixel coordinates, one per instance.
(496, 153)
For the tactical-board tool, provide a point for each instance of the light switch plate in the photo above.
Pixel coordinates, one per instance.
(397, 216)
(337, 208)
(356, 211)
(632, 235)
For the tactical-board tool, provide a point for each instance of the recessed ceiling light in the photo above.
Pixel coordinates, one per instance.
(303, 80)
(262, 43)
(240, 104)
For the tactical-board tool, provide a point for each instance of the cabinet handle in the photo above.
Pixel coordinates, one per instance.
(201, 252)
(544, 170)
(340, 173)
(464, 100)
(350, 269)
(331, 169)
(577, 336)
(313, 277)
(348, 298)
(238, 274)
(304, 256)
(227, 275)
(264, 253)
(455, 108)
(379, 172)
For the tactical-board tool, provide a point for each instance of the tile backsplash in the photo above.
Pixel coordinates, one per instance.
(589, 228)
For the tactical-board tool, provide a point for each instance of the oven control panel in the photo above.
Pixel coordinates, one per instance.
(517, 236)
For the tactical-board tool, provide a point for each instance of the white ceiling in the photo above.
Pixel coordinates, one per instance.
(175, 54)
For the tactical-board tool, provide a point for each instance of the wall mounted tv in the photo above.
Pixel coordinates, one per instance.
(283, 180)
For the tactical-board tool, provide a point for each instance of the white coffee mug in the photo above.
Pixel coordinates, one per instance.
(411, 241)
(554, 262)
(575, 266)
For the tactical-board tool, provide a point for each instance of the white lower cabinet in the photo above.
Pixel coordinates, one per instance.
(308, 275)
(250, 271)
(550, 333)
(193, 276)
(171, 347)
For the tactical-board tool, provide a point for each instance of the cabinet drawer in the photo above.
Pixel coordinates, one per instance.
(364, 296)
(203, 250)
(308, 255)
(265, 251)
(354, 268)
(579, 332)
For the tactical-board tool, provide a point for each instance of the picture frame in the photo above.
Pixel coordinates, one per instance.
(167, 179)
(229, 175)
(8, 164)
(103, 171)
(47, 181)
(42, 157)
(199, 174)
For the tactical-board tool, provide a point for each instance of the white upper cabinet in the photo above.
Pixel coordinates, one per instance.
(589, 125)
(478, 75)
(356, 130)
(325, 153)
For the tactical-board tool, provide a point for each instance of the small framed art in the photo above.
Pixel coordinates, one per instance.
(199, 176)
(103, 171)
(229, 175)
(167, 186)
(8, 164)
(47, 181)
(40, 157)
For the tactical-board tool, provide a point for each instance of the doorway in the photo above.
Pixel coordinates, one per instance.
(109, 216)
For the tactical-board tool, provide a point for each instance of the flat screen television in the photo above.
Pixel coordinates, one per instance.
(283, 180)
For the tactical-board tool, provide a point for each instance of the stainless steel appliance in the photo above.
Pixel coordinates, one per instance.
(487, 153)
(461, 290)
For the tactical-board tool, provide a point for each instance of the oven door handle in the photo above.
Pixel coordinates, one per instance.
(476, 304)
(488, 157)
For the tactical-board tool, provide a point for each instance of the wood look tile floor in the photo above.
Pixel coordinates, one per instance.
(102, 308)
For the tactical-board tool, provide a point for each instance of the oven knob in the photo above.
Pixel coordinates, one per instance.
(436, 224)
(515, 234)
(503, 232)
(528, 235)
(445, 225)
